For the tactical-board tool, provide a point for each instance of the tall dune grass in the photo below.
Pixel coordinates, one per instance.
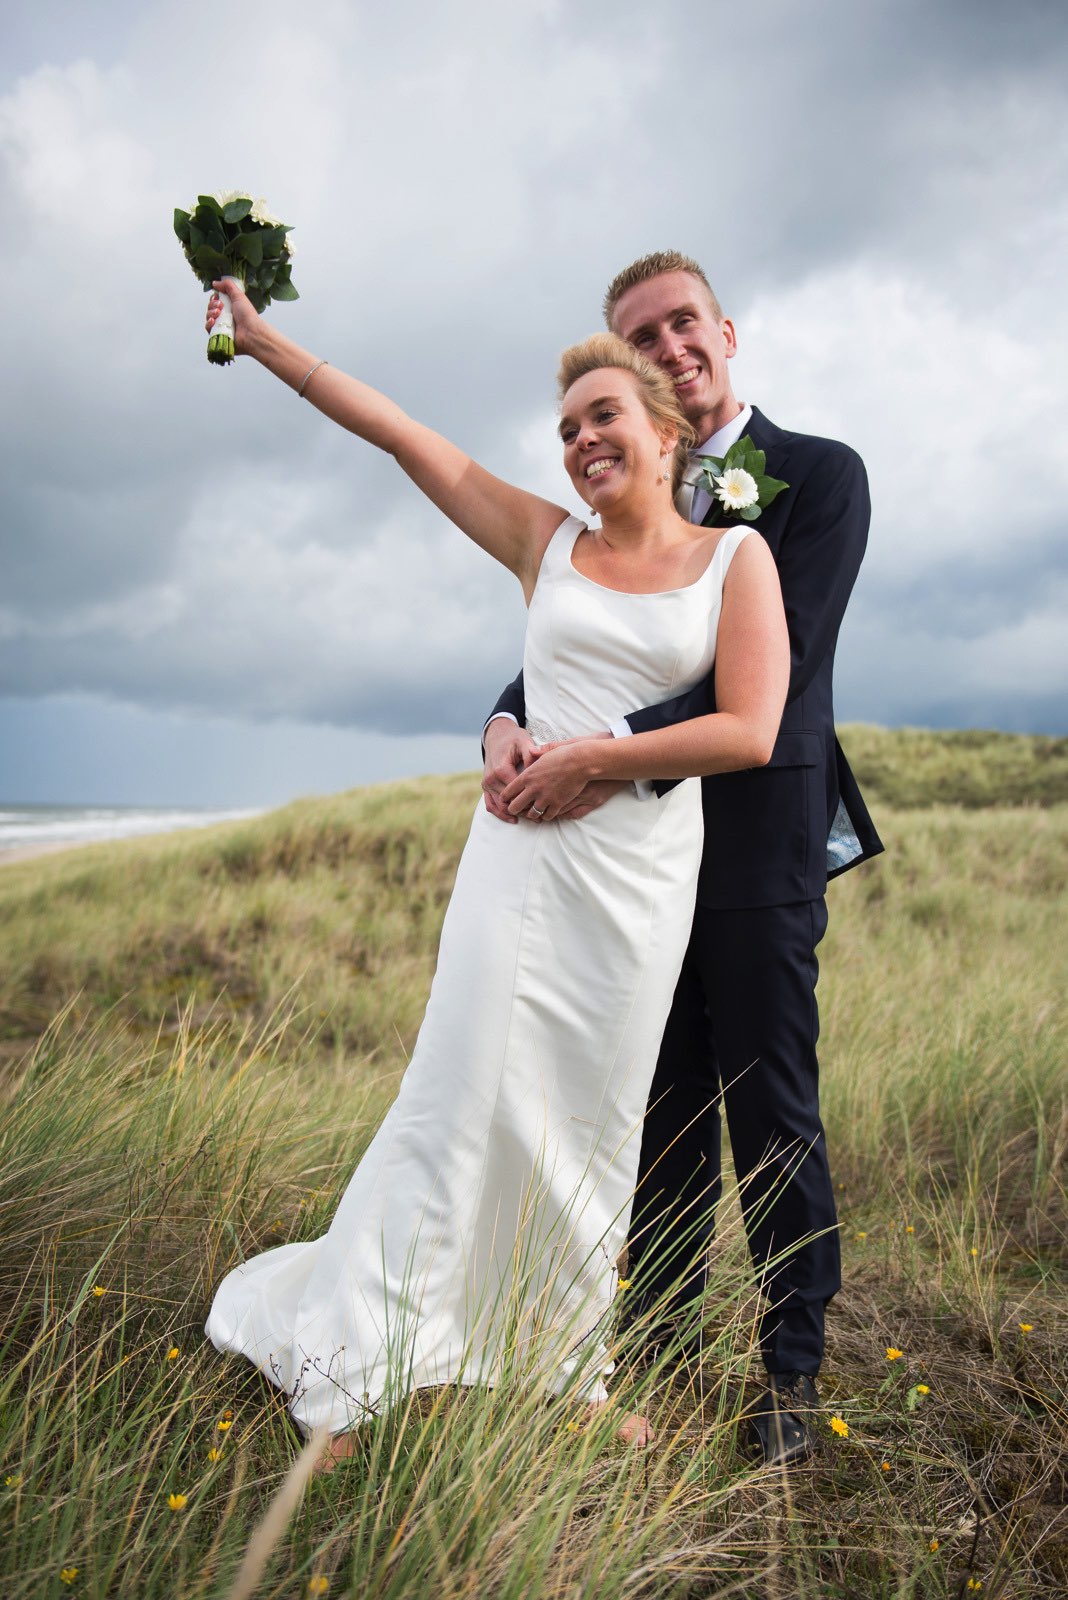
(198, 1036)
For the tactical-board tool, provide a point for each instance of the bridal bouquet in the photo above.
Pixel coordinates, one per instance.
(738, 482)
(230, 235)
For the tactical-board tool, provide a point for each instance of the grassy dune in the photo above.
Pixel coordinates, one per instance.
(198, 1036)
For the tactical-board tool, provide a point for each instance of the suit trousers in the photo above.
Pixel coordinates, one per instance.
(742, 1032)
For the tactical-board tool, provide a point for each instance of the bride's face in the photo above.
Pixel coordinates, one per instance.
(612, 448)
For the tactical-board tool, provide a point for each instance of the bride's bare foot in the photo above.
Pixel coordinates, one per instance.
(337, 1450)
(634, 1429)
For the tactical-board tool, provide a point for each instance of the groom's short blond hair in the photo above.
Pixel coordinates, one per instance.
(652, 266)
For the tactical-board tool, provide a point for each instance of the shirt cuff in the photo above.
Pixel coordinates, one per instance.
(497, 715)
(642, 787)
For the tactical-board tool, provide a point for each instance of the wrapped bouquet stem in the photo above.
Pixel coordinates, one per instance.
(231, 235)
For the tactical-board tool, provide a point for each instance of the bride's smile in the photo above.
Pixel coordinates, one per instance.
(613, 451)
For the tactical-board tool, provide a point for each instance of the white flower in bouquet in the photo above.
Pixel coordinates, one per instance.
(737, 489)
(229, 234)
(260, 213)
(226, 197)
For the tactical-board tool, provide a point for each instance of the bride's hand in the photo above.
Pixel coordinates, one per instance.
(593, 797)
(245, 316)
(552, 781)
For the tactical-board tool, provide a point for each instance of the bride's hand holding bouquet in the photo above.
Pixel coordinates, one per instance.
(228, 296)
(231, 235)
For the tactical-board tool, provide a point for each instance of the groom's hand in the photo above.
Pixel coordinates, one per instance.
(508, 750)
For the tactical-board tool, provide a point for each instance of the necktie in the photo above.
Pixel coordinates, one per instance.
(688, 486)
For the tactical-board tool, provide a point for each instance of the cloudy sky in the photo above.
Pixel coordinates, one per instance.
(207, 596)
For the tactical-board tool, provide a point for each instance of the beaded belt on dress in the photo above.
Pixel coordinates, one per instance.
(544, 732)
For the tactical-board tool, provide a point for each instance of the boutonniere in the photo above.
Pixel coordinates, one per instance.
(738, 482)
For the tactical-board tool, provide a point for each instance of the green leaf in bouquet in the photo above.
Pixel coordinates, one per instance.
(211, 263)
(206, 228)
(249, 248)
(181, 226)
(284, 291)
(237, 210)
(272, 240)
(208, 202)
(747, 513)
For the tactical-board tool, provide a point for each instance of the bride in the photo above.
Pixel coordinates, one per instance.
(478, 1237)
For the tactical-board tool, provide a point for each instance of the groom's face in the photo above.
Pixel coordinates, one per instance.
(671, 320)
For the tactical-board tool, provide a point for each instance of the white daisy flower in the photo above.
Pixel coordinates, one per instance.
(259, 213)
(226, 196)
(737, 489)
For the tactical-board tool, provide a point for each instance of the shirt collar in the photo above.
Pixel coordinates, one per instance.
(718, 443)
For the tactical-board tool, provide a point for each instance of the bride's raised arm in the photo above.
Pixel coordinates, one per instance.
(509, 523)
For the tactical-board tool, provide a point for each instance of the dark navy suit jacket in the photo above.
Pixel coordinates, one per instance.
(775, 834)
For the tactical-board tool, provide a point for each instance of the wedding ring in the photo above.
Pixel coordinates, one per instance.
(538, 812)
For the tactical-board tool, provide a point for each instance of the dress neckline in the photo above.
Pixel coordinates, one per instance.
(645, 594)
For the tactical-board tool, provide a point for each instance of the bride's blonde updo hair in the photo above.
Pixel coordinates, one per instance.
(654, 386)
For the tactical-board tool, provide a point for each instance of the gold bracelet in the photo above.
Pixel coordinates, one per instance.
(310, 372)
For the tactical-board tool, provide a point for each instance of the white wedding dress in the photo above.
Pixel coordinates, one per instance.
(478, 1237)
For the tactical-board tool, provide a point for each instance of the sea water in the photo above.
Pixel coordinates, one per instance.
(35, 827)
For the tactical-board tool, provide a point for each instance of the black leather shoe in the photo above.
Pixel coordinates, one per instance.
(779, 1425)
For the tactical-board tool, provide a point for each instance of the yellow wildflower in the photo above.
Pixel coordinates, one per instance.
(177, 1502)
(909, 1228)
(933, 1545)
(1026, 1327)
(893, 1353)
(213, 1454)
(886, 1466)
(318, 1585)
(67, 1574)
(98, 1290)
(840, 1428)
(975, 1583)
(13, 1480)
(226, 1422)
(974, 1252)
(625, 1283)
(173, 1353)
(862, 1235)
(922, 1388)
(574, 1427)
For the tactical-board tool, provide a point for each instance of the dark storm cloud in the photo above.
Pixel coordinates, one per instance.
(876, 191)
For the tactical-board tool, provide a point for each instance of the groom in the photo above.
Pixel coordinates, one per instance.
(744, 1024)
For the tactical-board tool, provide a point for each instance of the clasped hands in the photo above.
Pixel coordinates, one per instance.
(544, 783)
